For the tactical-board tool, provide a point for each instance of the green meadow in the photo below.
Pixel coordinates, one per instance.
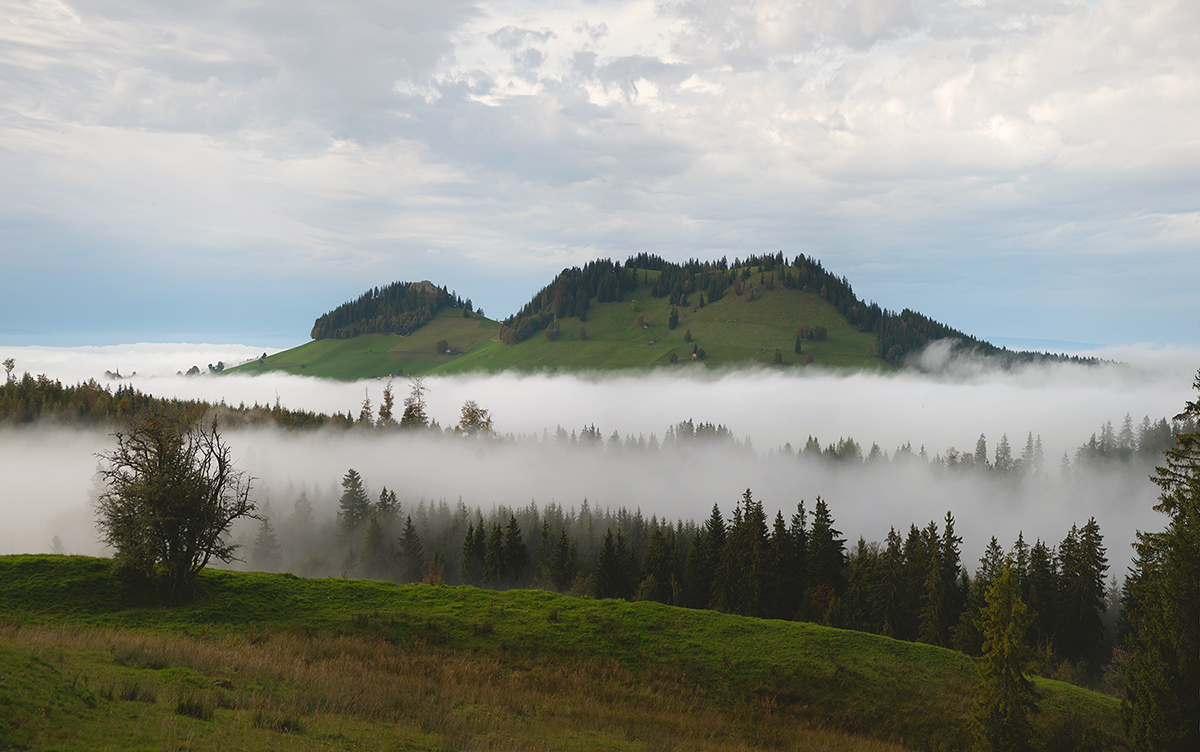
(272, 661)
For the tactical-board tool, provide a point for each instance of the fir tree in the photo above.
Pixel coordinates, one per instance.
(1161, 704)
(1004, 698)
(412, 553)
(354, 507)
(265, 553)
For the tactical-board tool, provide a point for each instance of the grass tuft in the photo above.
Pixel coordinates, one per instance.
(195, 705)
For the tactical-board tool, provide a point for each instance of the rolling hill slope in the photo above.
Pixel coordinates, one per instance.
(271, 661)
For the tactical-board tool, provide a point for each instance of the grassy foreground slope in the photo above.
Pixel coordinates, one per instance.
(262, 661)
(734, 331)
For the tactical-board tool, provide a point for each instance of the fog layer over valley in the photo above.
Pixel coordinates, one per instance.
(769, 417)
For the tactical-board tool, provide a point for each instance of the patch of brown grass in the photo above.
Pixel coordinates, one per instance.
(289, 682)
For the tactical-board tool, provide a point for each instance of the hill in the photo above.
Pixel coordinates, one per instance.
(607, 315)
(262, 661)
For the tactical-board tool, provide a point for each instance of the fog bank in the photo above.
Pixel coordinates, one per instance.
(47, 474)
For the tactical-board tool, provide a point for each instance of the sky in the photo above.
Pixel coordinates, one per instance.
(225, 172)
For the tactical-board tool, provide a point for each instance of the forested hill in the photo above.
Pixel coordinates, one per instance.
(701, 282)
(399, 308)
(677, 289)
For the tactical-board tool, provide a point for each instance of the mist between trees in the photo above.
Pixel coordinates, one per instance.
(647, 535)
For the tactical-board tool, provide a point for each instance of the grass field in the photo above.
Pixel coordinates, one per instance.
(260, 661)
(734, 331)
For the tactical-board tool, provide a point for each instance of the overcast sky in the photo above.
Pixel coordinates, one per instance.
(228, 171)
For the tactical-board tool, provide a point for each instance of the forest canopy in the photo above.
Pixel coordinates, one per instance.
(398, 308)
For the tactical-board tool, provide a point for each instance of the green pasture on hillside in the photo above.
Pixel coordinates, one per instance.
(266, 661)
(734, 331)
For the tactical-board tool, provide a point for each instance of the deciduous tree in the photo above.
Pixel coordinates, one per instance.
(171, 495)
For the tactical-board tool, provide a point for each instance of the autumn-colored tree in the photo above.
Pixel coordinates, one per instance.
(474, 421)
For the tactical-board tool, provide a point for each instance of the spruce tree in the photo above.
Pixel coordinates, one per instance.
(1162, 702)
(412, 553)
(1004, 698)
(1082, 595)
(494, 566)
(377, 559)
(354, 507)
(516, 557)
(265, 553)
(606, 580)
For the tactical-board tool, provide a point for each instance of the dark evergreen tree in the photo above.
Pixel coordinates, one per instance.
(377, 558)
(1082, 595)
(265, 553)
(1162, 700)
(704, 558)
(474, 549)
(516, 557)
(889, 592)
(658, 568)
(495, 570)
(354, 507)
(1004, 699)
(562, 562)
(967, 636)
(826, 559)
(412, 553)
(606, 579)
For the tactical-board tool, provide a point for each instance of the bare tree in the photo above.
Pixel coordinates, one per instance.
(171, 495)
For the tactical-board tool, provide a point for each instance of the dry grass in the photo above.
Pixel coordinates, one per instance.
(287, 683)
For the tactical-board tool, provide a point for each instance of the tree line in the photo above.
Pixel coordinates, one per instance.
(697, 283)
(398, 308)
(912, 586)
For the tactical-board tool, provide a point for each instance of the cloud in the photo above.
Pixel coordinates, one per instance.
(1036, 157)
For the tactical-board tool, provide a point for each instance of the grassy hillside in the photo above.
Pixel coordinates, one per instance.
(259, 661)
(733, 331)
(371, 355)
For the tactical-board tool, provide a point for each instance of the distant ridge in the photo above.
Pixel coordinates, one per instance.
(645, 312)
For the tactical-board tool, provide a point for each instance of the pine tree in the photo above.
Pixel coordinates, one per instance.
(412, 553)
(386, 407)
(1161, 704)
(265, 553)
(826, 559)
(516, 557)
(495, 570)
(377, 559)
(606, 580)
(414, 415)
(562, 562)
(1082, 595)
(1004, 698)
(354, 507)
(474, 548)
(1042, 599)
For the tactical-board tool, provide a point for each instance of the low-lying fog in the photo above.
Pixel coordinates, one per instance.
(47, 473)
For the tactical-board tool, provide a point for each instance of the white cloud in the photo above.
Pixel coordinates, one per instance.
(341, 142)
